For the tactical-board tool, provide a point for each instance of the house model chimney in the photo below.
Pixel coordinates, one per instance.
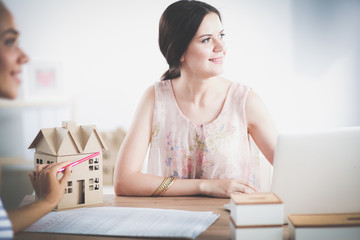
(69, 125)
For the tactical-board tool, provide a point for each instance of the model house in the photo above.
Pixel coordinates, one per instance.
(73, 143)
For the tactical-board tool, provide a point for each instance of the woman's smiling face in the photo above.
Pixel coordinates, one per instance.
(11, 56)
(205, 54)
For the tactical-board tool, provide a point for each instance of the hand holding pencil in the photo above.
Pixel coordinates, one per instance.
(46, 184)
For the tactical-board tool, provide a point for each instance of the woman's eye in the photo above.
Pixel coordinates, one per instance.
(205, 40)
(10, 41)
(222, 35)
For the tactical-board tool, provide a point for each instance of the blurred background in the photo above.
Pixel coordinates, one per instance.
(91, 61)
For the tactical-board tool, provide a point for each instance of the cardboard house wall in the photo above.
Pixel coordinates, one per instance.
(72, 143)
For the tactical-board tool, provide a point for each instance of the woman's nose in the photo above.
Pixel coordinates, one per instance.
(219, 45)
(23, 58)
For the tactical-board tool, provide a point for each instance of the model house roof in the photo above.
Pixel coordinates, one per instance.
(68, 140)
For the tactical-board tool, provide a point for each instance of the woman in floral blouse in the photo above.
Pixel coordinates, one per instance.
(199, 125)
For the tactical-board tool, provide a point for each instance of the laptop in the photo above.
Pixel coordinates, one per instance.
(318, 172)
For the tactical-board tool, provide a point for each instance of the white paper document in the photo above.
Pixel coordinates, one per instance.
(121, 221)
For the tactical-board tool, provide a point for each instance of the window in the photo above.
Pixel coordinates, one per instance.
(94, 164)
(91, 184)
(68, 188)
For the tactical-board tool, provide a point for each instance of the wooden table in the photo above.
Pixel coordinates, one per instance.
(218, 231)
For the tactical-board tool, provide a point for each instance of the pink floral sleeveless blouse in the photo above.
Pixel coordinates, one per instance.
(219, 149)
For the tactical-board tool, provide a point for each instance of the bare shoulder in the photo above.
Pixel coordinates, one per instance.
(254, 107)
(146, 103)
(144, 111)
(253, 99)
(149, 94)
(148, 98)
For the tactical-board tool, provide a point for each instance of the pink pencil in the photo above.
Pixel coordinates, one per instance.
(79, 161)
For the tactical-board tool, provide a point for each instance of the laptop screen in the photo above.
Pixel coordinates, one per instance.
(318, 172)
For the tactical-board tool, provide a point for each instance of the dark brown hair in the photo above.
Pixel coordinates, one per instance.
(3, 9)
(178, 25)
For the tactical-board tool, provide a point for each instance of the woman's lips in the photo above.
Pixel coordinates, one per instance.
(16, 76)
(218, 60)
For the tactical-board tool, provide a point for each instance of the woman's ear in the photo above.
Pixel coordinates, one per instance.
(182, 59)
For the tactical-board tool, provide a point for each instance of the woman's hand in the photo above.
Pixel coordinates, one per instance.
(224, 187)
(46, 184)
(49, 189)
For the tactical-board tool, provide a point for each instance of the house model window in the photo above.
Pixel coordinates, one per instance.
(94, 184)
(72, 143)
(94, 164)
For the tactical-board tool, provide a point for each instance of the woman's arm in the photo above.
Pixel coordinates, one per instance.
(23, 217)
(128, 179)
(260, 125)
(49, 191)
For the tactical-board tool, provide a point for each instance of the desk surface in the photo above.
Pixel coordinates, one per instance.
(218, 231)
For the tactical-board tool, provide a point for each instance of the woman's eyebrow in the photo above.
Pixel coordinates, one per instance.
(9, 31)
(209, 35)
(205, 35)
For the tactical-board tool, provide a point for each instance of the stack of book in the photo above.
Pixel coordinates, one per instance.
(324, 226)
(256, 216)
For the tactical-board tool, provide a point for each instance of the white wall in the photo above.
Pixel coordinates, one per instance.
(301, 56)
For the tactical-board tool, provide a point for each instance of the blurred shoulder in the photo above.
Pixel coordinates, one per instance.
(148, 96)
(239, 92)
(253, 99)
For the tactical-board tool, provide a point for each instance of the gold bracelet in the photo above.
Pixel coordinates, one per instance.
(160, 189)
(164, 186)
